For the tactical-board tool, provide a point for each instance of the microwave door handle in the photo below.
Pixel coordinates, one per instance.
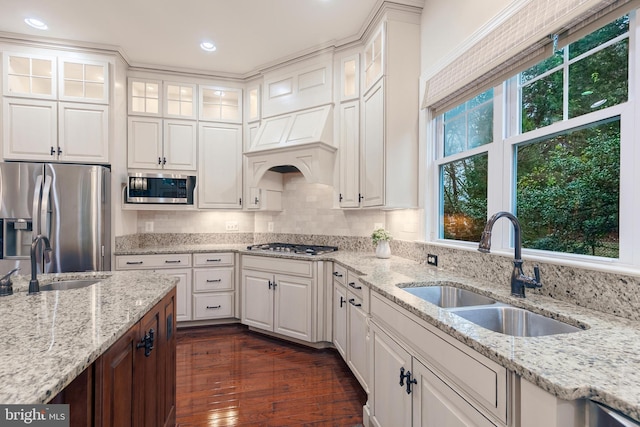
(44, 210)
(35, 218)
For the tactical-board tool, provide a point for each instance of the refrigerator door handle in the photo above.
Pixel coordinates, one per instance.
(35, 220)
(45, 206)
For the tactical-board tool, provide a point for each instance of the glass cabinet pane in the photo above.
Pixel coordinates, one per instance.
(73, 71)
(221, 104)
(144, 97)
(29, 76)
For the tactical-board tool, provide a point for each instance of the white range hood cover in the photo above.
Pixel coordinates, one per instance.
(302, 139)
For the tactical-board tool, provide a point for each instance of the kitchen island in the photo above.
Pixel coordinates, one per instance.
(51, 338)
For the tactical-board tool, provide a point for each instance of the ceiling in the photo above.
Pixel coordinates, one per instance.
(165, 34)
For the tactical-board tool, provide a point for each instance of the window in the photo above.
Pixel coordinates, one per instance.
(463, 177)
(561, 153)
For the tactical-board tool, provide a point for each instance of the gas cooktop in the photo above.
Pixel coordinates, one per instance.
(292, 248)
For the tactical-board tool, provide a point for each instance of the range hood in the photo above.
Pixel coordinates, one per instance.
(302, 139)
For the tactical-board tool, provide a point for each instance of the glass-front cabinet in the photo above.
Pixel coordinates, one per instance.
(180, 100)
(31, 76)
(218, 104)
(145, 97)
(84, 81)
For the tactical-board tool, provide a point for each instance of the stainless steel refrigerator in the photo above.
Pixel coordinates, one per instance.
(70, 204)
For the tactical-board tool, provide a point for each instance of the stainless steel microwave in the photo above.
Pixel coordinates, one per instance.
(160, 188)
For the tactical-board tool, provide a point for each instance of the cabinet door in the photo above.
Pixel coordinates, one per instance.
(220, 104)
(373, 139)
(340, 319)
(257, 299)
(391, 405)
(374, 53)
(358, 340)
(183, 293)
(293, 307)
(350, 155)
(220, 166)
(436, 404)
(145, 143)
(168, 337)
(30, 129)
(149, 367)
(30, 76)
(120, 391)
(84, 133)
(179, 145)
(84, 81)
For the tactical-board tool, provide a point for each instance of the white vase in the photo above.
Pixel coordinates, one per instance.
(383, 250)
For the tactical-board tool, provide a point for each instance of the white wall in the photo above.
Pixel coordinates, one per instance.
(447, 24)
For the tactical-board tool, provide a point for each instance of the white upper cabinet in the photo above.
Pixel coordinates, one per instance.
(180, 100)
(220, 159)
(32, 76)
(161, 144)
(83, 81)
(389, 116)
(145, 97)
(350, 78)
(374, 58)
(219, 104)
(55, 108)
(253, 104)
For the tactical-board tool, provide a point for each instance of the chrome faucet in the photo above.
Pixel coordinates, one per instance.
(34, 285)
(518, 279)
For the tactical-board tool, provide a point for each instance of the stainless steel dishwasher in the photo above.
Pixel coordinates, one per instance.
(601, 416)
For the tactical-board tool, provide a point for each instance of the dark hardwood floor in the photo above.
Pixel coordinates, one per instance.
(230, 376)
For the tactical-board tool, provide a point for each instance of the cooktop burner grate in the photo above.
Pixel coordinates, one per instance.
(292, 248)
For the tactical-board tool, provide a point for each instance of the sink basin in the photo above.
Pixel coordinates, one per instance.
(448, 296)
(68, 284)
(515, 321)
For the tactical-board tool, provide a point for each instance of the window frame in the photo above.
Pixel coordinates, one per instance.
(502, 165)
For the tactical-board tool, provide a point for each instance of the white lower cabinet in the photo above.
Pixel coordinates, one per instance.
(177, 265)
(422, 377)
(213, 286)
(278, 296)
(350, 322)
(183, 293)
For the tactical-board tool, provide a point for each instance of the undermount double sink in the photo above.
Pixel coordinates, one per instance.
(488, 313)
(69, 284)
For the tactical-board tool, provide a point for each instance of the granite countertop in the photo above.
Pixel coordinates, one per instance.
(601, 362)
(50, 338)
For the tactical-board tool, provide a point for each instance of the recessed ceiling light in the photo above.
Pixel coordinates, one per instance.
(36, 23)
(208, 46)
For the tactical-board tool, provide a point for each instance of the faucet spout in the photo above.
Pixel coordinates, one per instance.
(519, 281)
(34, 285)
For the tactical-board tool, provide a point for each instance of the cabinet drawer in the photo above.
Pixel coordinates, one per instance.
(213, 279)
(146, 262)
(339, 274)
(212, 259)
(483, 380)
(354, 285)
(212, 306)
(278, 265)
